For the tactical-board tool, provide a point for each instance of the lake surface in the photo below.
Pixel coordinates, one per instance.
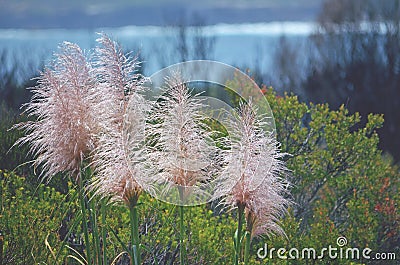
(241, 45)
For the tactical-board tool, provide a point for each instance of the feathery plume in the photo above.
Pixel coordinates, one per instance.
(62, 134)
(252, 177)
(119, 154)
(184, 153)
(117, 160)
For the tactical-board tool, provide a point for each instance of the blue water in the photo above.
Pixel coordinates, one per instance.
(245, 45)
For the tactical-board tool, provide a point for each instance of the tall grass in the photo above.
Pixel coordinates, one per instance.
(79, 116)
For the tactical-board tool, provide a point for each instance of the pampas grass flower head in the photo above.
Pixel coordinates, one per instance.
(61, 135)
(183, 152)
(253, 175)
(118, 155)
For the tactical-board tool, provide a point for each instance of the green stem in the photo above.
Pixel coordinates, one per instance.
(135, 255)
(182, 247)
(239, 233)
(247, 247)
(104, 230)
(84, 219)
(1, 248)
(95, 231)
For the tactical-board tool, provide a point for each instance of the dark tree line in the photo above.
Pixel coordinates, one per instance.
(354, 59)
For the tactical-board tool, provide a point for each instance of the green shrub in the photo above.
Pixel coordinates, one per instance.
(342, 185)
(29, 218)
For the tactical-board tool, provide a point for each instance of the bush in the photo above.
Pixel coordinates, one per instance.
(30, 219)
(343, 186)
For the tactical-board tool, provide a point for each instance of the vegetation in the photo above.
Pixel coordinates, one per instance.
(343, 186)
(353, 59)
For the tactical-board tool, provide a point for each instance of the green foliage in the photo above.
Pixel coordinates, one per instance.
(29, 220)
(342, 186)
(209, 234)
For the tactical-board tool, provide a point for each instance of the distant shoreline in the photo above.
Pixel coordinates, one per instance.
(242, 45)
(266, 29)
(162, 15)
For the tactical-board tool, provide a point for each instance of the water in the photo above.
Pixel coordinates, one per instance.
(244, 45)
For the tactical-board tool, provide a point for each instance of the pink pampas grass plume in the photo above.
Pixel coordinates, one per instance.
(118, 156)
(253, 177)
(61, 135)
(184, 154)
